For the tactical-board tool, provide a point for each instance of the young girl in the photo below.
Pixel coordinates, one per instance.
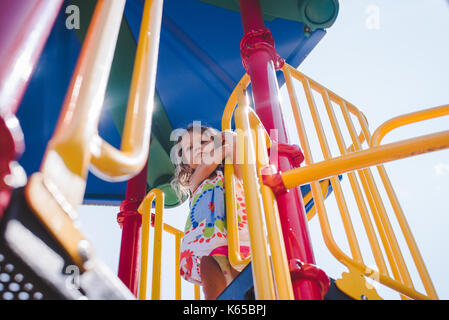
(204, 247)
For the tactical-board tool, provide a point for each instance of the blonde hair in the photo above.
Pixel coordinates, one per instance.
(183, 172)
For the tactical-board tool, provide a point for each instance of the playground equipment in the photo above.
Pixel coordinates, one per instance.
(284, 196)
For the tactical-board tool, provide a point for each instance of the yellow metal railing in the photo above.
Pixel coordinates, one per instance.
(252, 135)
(145, 209)
(55, 192)
(272, 278)
(355, 158)
(352, 161)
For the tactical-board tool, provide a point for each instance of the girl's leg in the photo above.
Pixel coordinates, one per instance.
(213, 280)
(234, 273)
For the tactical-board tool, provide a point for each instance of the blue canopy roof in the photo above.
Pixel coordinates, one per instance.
(199, 65)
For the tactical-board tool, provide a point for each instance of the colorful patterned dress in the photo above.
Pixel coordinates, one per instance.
(205, 230)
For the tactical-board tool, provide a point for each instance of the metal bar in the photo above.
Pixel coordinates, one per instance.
(119, 165)
(131, 222)
(410, 240)
(69, 149)
(61, 182)
(438, 141)
(197, 292)
(292, 214)
(371, 201)
(382, 232)
(172, 230)
(405, 119)
(347, 223)
(262, 273)
(177, 274)
(146, 53)
(279, 256)
(280, 266)
(234, 255)
(377, 253)
(145, 210)
(226, 120)
(157, 254)
(340, 255)
(398, 258)
(416, 255)
(366, 158)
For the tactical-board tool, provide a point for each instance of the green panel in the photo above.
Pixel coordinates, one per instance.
(313, 13)
(161, 126)
(160, 171)
(318, 14)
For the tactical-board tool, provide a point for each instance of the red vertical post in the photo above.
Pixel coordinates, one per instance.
(131, 222)
(259, 58)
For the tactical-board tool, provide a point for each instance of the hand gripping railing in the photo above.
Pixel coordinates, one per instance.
(59, 187)
(157, 221)
(354, 158)
(252, 143)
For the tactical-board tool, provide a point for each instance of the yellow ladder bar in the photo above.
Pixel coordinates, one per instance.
(119, 165)
(145, 210)
(234, 255)
(55, 192)
(353, 159)
(263, 281)
(252, 142)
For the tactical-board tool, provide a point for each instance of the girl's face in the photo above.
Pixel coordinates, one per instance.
(195, 147)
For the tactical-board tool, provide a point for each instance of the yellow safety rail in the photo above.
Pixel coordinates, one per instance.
(405, 119)
(55, 192)
(119, 165)
(250, 133)
(354, 158)
(145, 209)
(234, 255)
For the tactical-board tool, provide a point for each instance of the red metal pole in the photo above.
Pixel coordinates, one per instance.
(131, 222)
(259, 59)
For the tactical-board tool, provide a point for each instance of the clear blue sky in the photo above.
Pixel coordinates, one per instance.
(396, 66)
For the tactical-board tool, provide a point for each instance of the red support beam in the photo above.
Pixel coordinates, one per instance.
(131, 222)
